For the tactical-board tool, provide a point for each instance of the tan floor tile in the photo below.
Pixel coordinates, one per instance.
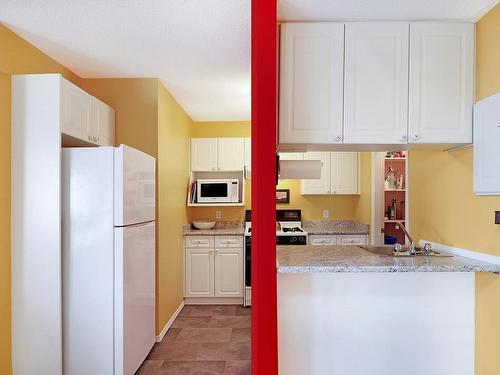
(230, 322)
(224, 351)
(193, 368)
(204, 335)
(170, 336)
(191, 322)
(175, 351)
(208, 310)
(238, 368)
(149, 367)
(241, 334)
(243, 311)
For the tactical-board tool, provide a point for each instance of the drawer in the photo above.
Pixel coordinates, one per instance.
(198, 242)
(228, 241)
(351, 240)
(317, 239)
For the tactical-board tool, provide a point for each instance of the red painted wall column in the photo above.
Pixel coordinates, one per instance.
(264, 314)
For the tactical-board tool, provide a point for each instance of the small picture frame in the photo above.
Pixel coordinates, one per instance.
(282, 196)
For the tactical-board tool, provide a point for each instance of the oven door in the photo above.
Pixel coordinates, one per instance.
(213, 191)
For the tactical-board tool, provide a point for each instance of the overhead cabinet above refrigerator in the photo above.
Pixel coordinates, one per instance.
(356, 85)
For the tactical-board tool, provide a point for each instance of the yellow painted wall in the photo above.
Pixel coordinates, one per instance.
(444, 209)
(174, 130)
(16, 57)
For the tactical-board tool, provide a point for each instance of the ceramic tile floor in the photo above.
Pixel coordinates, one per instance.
(204, 340)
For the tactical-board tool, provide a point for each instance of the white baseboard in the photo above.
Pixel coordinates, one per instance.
(169, 323)
(463, 252)
(213, 300)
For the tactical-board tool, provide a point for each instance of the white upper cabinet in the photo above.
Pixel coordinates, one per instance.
(248, 152)
(217, 154)
(376, 83)
(230, 154)
(291, 156)
(76, 111)
(86, 118)
(311, 76)
(103, 123)
(339, 174)
(203, 154)
(486, 141)
(441, 82)
(345, 173)
(322, 185)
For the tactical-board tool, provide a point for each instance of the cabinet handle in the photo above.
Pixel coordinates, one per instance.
(338, 138)
(416, 136)
(404, 137)
(89, 138)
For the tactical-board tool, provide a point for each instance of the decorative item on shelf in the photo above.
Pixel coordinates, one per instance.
(282, 196)
(395, 155)
(402, 210)
(192, 192)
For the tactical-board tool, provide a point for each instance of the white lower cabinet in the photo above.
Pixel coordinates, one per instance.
(199, 272)
(337, 239)
(228, 273)
(214, 268)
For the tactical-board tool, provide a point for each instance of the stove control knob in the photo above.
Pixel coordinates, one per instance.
(293, 239)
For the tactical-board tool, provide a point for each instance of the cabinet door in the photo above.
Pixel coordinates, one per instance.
(229, 272)
(291, 156)
(441, 82)
(199, 273)
(248, 152)
(203, 154)
(76, 112)
(322, 185)
(345, 172)
(351, 240)
(103, 123)
(311, 78)
(230, 154)
(322, 240)
(376, 83)
(486, 141)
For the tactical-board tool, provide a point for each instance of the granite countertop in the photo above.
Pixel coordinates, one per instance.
(335, 227)
(222, 228)
(351, 258)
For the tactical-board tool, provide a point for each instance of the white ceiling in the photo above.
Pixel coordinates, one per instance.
(200, 49)
(359, 10)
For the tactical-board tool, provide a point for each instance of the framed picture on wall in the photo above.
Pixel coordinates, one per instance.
(282, 196)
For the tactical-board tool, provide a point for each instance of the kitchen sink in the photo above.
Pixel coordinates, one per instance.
(405, 251)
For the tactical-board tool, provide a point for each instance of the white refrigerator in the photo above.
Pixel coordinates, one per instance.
(108, 259)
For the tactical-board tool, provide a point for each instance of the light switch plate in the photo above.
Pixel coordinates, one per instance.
(218, 215)
(326, 214)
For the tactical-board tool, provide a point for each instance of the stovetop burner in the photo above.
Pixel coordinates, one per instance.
(294, 229)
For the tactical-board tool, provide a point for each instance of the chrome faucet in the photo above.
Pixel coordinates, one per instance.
(412, 244)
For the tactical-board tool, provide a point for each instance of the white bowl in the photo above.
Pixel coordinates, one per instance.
(203, 224)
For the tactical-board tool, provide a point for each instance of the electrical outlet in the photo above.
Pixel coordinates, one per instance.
(218, 215)
(326, 214)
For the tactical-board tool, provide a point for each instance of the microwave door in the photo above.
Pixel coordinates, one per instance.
(214, 192)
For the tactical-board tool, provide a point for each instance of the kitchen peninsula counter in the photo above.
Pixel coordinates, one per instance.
(351, 258)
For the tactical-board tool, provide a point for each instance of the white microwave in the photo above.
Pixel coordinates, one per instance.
(218, 191)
